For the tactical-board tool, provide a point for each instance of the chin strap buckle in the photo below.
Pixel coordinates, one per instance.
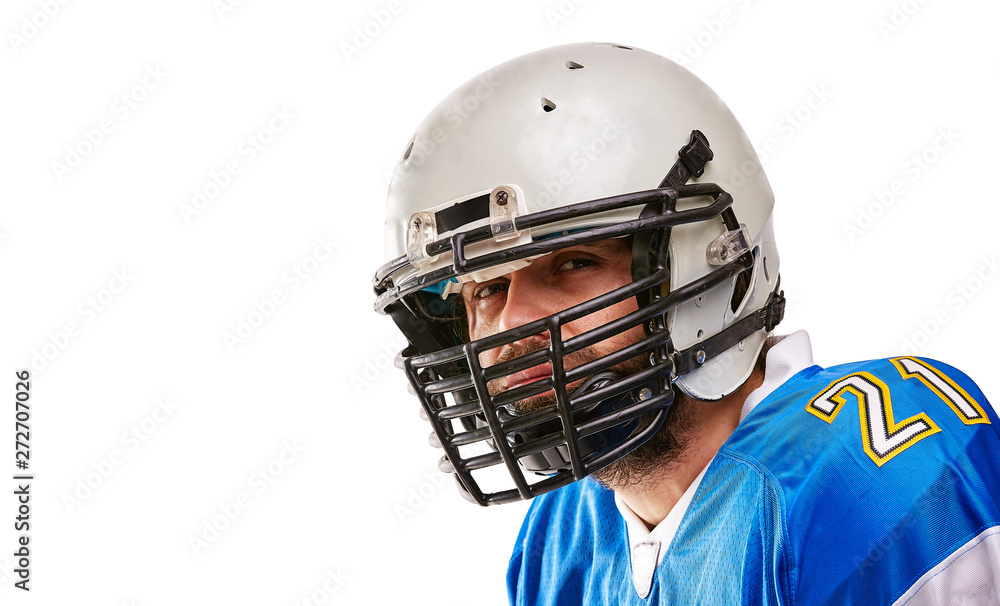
(774, 311)
(691, 161)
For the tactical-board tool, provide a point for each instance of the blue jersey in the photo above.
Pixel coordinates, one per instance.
(849, 485)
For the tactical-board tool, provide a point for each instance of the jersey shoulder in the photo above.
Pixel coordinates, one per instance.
(884, 468)
(889, 406)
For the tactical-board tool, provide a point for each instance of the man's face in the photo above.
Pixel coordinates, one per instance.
(551, 284)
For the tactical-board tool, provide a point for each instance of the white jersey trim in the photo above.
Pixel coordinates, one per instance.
(969, 576)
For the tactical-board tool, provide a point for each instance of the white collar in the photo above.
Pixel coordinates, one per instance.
(787, 356)
(649, 546)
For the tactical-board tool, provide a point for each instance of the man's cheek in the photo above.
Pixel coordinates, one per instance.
(478, 328)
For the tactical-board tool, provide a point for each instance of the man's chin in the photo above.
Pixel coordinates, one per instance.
(655, 456)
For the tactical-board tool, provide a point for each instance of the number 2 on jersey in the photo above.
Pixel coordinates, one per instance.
(882, 436)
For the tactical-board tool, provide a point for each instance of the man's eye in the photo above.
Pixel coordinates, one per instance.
(490, 289)
(578, 263)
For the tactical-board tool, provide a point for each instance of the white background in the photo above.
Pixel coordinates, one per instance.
(361, 503)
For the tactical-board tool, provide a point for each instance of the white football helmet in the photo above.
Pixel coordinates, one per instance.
(574, 144)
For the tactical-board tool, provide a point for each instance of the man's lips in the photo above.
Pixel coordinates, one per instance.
(535, 373)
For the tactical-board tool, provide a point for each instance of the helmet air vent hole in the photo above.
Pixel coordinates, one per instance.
(409, 148)
(740, 290)
(767, 274)
(573, 65)
(548, 105)
(701, 333)
(622, 46)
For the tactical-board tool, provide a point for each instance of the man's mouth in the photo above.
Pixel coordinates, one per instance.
(535, 373)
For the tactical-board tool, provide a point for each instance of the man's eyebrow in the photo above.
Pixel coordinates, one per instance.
(608, 244)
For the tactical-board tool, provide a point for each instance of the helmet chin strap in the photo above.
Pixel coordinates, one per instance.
(691, 161)
(556, 459)
(765, 318)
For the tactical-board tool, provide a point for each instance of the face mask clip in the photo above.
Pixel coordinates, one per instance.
(506, 204)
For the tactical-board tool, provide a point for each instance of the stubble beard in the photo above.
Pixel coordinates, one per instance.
(652, 459)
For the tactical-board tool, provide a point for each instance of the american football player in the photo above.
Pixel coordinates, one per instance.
(580, 254)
